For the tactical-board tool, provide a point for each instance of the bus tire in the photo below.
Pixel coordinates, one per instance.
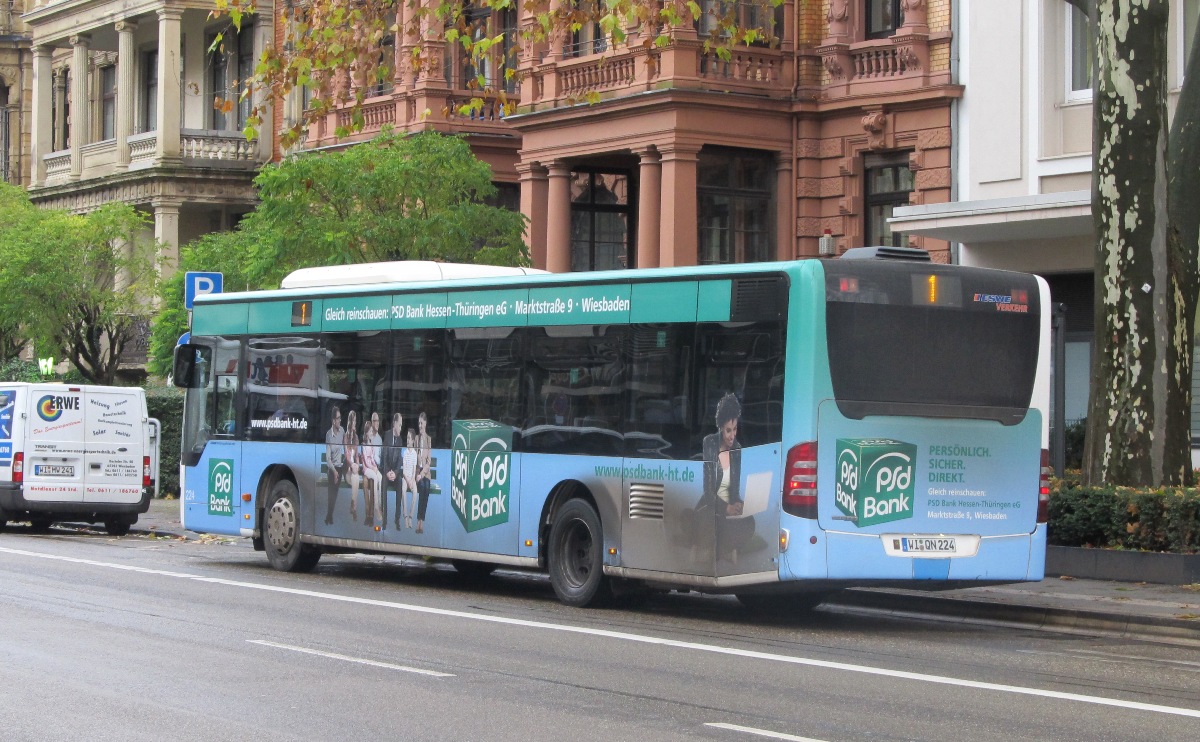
(781, 605)
(576, 556)
(473, 571)
(40, 523)
(116, 526)
(281, 531)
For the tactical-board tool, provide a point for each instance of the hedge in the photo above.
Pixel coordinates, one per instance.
(166, 404)
(1164, 519)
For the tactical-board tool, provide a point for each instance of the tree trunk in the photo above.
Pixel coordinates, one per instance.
(1183, 244)
(1140, 375)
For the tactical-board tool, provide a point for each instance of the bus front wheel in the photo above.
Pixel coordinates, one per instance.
(576, 556)
(282, 542)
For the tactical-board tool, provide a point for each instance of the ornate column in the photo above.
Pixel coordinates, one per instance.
(167, 143)
(558, 217)
(912, 39)
(649, 206)
(59, 136)
(263, 33)
(166, 231)
(678, 236)
(43, 97)
(835, 48)
(126, 89)
(785, 201)
(79, 101)
(534, 188)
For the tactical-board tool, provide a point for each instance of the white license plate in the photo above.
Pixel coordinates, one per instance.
(926, 544)
(53, 470)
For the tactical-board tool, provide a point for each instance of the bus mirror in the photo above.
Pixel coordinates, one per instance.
(188, 368)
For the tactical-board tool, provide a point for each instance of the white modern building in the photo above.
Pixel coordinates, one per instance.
(1023, 156)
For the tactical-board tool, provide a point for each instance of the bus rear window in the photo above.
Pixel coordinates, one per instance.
(931, 340)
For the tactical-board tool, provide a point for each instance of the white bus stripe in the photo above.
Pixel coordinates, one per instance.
(347, 658)
(642, 639)
(762, 732)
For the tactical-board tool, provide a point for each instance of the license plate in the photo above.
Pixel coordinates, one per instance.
(926, 545)
(53, 470)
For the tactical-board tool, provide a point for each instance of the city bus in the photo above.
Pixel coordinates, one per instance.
(775, 431)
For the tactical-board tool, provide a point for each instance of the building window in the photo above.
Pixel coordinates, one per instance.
(746, 14)
(1191, 11)
(229, 65)
(889, 181)
(490, 70)
(108, 102)
(735, 190)
(1081, 50)
(883, 18)
(600, 219)
(148, 118)
(588, 38)
(384, 75)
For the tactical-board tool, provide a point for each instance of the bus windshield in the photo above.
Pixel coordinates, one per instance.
(923, 340)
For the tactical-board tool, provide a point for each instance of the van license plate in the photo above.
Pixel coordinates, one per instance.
(53, 470)
(927, 545)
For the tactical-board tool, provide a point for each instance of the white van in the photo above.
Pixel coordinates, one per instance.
(76, 453)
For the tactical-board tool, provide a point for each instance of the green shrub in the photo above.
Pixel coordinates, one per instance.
(166, 404)
(14, 369)
(1165, 519)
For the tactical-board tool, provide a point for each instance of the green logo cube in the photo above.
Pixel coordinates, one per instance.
(220, 487)
(482, 452)
(875, 479)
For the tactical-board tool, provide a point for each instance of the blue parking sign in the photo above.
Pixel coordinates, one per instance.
(197, 283)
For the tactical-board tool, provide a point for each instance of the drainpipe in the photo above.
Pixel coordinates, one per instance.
(955, 126)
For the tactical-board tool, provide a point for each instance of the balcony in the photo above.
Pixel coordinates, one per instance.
(205, 148)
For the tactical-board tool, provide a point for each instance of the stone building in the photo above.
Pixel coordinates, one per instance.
(641, 156)
(15, 93)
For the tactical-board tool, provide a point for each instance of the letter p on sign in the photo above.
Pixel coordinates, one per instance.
(196, 283)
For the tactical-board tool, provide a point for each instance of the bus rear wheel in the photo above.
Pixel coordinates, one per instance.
(285, 551)
(576, 556)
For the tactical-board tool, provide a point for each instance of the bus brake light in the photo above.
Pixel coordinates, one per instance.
(1043, 510)
(800, 481)
(18, 467)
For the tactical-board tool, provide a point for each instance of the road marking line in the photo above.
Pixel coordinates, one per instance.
(359, 660)
(762, 732)
(639, 638)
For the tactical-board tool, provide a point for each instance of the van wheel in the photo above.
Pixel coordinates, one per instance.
(40, 524)
(116, 526)
(284, 550)
(576, 556)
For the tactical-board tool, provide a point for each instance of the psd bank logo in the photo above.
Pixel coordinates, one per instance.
(51, 406)
(875, 480)
(220, 487)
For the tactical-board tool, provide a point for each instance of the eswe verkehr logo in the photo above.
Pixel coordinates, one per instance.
(875, 480)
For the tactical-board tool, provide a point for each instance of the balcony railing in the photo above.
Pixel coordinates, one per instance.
(141, 149)
(207, 144)
(58, 164)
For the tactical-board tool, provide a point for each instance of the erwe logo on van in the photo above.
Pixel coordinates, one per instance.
(50, 407)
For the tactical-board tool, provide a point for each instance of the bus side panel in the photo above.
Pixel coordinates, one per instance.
(541, 473)
(212, 500)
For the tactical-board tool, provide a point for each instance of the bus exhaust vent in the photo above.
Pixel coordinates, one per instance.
(758, 299)
(885, 252)
(646, 501)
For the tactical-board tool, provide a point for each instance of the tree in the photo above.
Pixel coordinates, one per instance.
(415, 197)
(1144, 188)
(333, 47)
(76, 285)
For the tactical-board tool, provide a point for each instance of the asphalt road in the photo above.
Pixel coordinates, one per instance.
(145, 638)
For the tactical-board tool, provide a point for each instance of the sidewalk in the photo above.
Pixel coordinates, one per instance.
(1133, 610)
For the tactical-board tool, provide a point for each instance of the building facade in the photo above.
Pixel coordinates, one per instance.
(645, 155)
(122, 109)
(1023, 160)
(15, 94)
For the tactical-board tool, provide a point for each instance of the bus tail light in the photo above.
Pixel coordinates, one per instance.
(146, 482)
(800, 481)
(1043, 511)
(18, 467)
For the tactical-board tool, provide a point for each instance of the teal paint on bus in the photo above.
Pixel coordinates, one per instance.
(360, 313)
(663, 302)
(712, 301)
(497, 308)
(276, 317)
(578, 305)
(219, 319)
(419, 311)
